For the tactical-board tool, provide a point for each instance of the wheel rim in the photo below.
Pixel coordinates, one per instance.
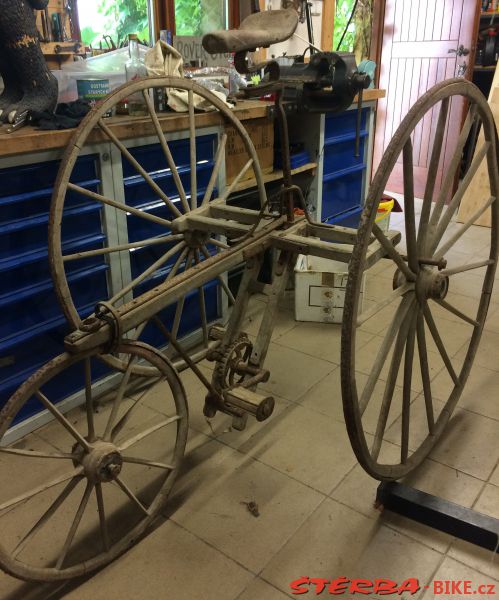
(163, 254)
(393, 420)
(107, 478)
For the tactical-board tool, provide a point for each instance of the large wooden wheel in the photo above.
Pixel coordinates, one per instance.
(145, 245)
(425, 307)
(97, 482)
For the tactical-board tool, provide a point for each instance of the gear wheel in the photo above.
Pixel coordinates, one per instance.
(225, 371)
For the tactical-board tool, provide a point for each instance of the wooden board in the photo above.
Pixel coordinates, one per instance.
(479, 190)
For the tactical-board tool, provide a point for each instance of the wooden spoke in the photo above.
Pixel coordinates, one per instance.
(177, 319)
(118, 400)
(89, 404)
(454, 238)
(410, 217)
(392, 253)
(131, 495)
(126, 417)
(398, 319)
(41, 488)
(35, 454)
(425, 373)
(439, 343)
(52, 509)
(166, 239)
(202, 305)
(237, 179)
(434, 164)
(173, 271)
(400, 291)
(390, 386)
(218, 243)
(75, 524)
(147, 463)
(406, 392)
(219, 160)
(221, 280)
(149, 271)
(457, 312)
(192, 140)
(62, 420)
(140, 436)
(119, 205)
(448, 182)
(102, 516)
(139, 168)
(469, 267)
(166, 150)
(438, 230)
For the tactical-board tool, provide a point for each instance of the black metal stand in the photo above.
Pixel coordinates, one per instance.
(440, 514)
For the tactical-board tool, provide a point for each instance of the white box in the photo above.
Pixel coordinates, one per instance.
(320, 289)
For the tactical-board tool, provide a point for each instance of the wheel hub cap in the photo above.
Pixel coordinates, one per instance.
(103, 463)
(432, 284)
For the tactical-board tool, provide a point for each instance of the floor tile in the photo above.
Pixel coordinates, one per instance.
(308, 446)
(293, 373)
(325, 397)
(162, 565)
(486, 355)
(484, 561)
(216, 508)
(479, 394)
(467, 444)
(358, 491)
(365, 357)
(322, 340)
(452, 571)
(260, 590)
(338, 541)
(495, 476)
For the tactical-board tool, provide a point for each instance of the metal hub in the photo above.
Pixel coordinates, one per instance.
(432, 284)
(102, 464)
(196, 239)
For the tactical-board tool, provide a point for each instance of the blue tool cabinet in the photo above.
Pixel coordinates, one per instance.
(32, 326)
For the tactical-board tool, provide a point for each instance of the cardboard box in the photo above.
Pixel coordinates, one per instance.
(261, 132)
(320, 289)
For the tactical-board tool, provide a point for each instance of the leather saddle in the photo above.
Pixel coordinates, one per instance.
(259, 30)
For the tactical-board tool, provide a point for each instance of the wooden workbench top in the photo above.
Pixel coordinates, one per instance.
(29, 139)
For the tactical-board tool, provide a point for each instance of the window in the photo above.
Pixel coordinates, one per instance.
(116, 18)
(357, 37)
(197, 17)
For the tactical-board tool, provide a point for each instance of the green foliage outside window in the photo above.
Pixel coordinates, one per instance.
(343, 12)
(121, 17)
(358, 36)
(188, 17)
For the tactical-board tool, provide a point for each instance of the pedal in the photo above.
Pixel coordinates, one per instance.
(258, 405)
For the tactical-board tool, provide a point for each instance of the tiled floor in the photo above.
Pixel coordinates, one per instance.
(316, 513)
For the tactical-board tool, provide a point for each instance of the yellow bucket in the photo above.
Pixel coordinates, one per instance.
(383, 217)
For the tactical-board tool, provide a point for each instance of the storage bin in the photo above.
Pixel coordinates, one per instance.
(320, 286)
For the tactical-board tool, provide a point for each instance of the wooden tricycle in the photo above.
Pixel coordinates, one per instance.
(99, 492)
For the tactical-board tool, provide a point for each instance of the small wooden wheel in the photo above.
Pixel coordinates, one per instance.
(99, 479)
(426, 305)
(137, 239)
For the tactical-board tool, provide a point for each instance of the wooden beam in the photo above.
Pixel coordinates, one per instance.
(327, 30)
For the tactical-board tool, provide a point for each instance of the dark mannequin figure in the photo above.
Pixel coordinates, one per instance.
(28, 83)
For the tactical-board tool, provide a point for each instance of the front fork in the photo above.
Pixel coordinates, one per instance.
(227, 401)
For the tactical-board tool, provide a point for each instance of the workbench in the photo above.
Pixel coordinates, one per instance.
(32, 326)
